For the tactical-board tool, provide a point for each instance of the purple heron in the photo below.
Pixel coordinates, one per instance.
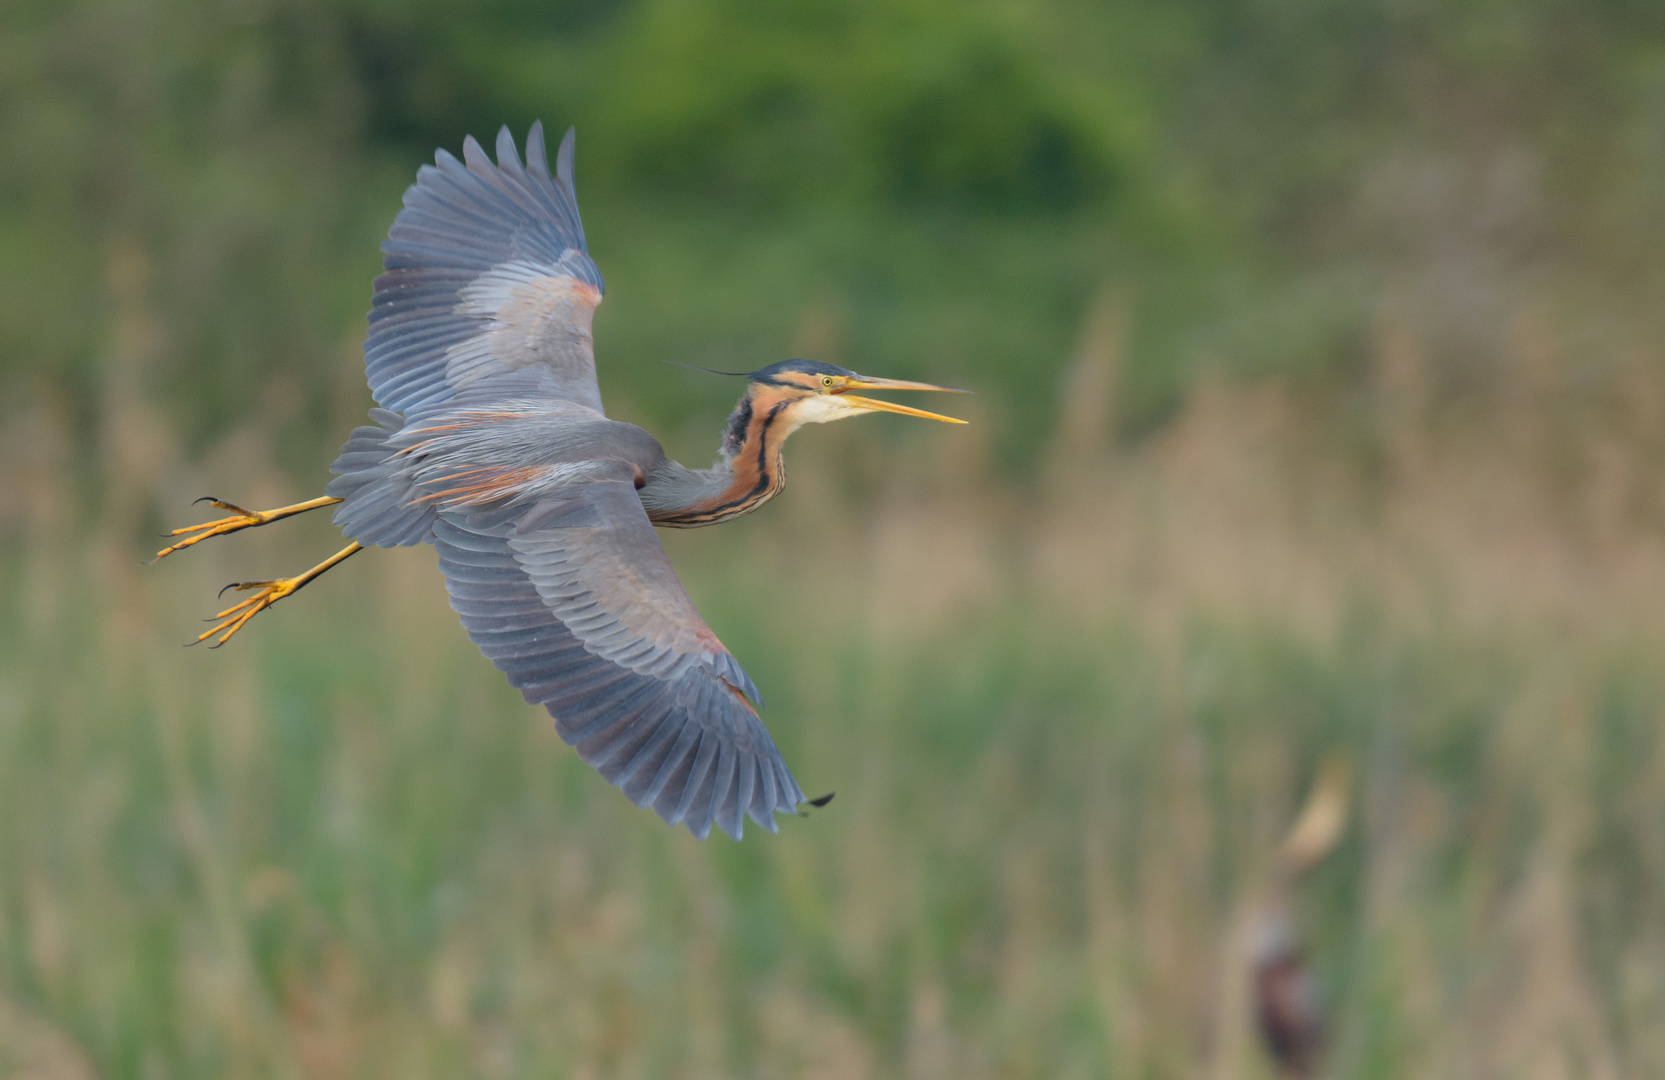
(490, 443)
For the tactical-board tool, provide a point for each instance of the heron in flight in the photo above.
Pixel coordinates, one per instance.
(490, 443)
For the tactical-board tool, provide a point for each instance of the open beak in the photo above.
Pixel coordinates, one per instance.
(863, 382)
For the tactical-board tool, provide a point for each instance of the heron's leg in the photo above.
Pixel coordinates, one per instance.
(233, 619)
(239, 519)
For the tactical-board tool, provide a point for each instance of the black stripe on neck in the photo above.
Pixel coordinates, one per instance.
(765, 479)
(763, 441)
(738, 422)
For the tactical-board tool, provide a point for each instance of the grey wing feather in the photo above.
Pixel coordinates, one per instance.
(489, 286)
(674, 735)
(594, 558)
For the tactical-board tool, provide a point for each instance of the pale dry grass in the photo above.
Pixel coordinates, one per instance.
(1067, 727)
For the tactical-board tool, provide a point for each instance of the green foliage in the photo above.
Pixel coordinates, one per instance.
(948, 183)
(343, 846)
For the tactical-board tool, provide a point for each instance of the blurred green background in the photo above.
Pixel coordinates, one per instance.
(1320, 408)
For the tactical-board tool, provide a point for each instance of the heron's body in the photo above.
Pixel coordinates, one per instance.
(491, 444)
(471, 456)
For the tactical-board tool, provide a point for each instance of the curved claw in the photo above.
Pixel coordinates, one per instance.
(234, 618)
(818, 803)
(236, 520)
(196, 534)
(221, 504)
(237, 616)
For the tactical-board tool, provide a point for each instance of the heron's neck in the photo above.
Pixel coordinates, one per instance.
(748, 471)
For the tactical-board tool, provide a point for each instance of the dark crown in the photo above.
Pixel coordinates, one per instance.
(771, 374)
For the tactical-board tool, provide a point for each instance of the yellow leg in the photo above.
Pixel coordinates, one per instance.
(239, 519)
(233, 619)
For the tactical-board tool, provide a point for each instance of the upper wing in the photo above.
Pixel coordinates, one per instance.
(574, 600)
(488, 284)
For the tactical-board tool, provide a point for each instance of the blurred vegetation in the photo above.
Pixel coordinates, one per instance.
(952, 182)
(1319, 407)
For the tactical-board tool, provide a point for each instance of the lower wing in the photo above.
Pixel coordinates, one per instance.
(661, 715)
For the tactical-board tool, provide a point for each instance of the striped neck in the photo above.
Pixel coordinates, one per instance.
(748, 472)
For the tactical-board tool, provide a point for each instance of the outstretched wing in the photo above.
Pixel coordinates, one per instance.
(489, 288)
(575, 601)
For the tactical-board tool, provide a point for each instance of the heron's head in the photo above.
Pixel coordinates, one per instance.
(799, 392)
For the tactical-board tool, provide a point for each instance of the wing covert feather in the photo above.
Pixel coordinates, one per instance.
(679, 737)
(598, 564)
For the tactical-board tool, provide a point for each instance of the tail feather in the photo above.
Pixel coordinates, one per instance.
(380, 506)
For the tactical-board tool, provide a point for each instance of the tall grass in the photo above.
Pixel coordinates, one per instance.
(1066, 726)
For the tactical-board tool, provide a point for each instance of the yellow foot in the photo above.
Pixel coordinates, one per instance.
(239, 519)
(234, 618)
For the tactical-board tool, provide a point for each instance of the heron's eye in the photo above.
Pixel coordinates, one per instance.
(826, 380)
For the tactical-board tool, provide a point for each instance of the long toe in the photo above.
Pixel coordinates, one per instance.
(237, 616)
(237, 519)
(196, 534)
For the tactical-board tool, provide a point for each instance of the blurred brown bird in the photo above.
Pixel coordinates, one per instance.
(1288, 1001)
(1289, 1006)
(490, 443)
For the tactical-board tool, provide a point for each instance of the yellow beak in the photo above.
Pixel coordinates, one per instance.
(863, 382)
